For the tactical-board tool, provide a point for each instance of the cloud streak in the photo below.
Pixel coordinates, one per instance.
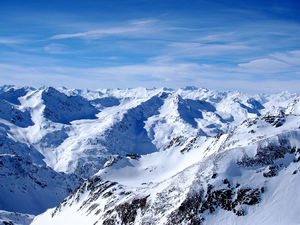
(98, 33)
(264, 65)
(135, 27)
(286, 62)
(199, 49)
(55, 49)
(8, 41)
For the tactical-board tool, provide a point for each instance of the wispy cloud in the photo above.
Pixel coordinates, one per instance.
(291, 57)
(264, 65)
(144, 21)
(97, 33)
(199, 49)
(8, 41)
(217, 37)
(54, 48)
(203, 51)
(284, 62)
(134, 27)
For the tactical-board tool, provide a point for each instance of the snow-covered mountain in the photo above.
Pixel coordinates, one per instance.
(149, 156)
(248, 176)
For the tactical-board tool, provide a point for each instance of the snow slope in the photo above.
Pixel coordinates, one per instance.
(9, 218)
(249, 176)
(27, 185)
(147, 140)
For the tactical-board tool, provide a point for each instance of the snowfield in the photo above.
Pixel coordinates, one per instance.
(149, 156)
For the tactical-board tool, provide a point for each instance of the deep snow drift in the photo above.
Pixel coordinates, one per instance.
(149, 156)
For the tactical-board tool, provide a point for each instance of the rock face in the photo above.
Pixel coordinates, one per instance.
(141, 156)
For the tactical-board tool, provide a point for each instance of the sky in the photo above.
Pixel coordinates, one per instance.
(250, 46)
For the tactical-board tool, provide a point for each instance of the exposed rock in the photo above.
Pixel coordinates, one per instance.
(128, 211)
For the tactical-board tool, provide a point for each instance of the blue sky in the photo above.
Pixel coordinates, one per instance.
(251, 46)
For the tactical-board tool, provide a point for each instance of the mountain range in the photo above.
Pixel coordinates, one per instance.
(148, 156)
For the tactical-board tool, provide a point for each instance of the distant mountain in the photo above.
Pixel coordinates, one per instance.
(149, 156)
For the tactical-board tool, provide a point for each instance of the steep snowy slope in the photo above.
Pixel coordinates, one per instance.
(12, 218)
(27, 185)
(64, 109)
(249, 176)
(52, 138)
